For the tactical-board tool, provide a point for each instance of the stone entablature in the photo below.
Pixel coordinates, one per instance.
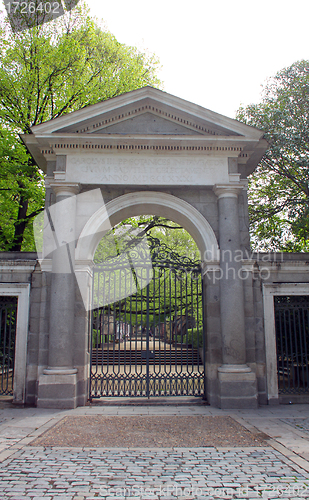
(157, 170)
(166, 125)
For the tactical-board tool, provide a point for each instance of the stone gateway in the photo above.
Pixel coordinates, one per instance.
(148, 152)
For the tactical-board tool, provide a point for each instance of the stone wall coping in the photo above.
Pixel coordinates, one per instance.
(279, 257)
(284, 266)
(17, 266)
(18, 256)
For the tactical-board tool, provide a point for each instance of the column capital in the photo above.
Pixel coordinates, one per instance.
(228, 190)
(65, 188)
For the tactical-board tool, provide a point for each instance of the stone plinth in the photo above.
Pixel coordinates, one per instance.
(57, 389)
(237, 387)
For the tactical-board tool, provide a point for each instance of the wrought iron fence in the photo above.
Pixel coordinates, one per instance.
(147, 327)
(8, 312)
(292, 335)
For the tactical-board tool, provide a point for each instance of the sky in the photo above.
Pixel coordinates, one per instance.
(215, 53)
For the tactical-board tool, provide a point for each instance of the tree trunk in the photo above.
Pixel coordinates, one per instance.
(20, 225)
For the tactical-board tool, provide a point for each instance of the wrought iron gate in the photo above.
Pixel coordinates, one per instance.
(147, 326)
(292, 335)
(8, 309)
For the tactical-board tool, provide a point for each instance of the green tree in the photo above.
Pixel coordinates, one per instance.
(279, 187)
(129, 232)
(45, 72)
(173, 277)
(21, 193)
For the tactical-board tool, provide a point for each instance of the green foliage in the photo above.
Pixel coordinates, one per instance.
(46, 72)
(130, 257)
(65, 65)
(170, 292)
(279, 188)
(129, 232)
(99, 337)
(176, 238)
(22, 193)
(194, 337)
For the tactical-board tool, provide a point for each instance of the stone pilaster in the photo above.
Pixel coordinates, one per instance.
(57, 384)
(236, 381)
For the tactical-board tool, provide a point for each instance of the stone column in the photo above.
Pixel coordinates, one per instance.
(57, 384)
(237, 383)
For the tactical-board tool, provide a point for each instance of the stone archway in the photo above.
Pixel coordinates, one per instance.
(148, 152)
(181, 356)
(154, 203)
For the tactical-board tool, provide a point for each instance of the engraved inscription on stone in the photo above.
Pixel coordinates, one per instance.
(109, 169)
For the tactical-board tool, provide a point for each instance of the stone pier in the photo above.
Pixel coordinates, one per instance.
(237, 383)
(58, 381)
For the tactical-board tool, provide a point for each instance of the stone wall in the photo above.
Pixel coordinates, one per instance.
(22, 268)
(262, 270)
(278, 271)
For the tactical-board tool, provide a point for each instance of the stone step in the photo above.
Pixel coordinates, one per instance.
(190, 356)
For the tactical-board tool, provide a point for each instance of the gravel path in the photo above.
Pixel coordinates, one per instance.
(149, 432)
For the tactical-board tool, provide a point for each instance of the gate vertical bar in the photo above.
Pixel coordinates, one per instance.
(204, 334)
(147, 338)
(8, 311)
(167, 364)
(292, 336)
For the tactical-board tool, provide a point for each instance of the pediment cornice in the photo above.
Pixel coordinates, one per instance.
(181, 127)
(102, 123)
(56, 144)
(147, 99)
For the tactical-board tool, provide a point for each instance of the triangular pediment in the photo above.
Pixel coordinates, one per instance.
(147, 123)
(146, 111)
(133, 122)
(149, 120)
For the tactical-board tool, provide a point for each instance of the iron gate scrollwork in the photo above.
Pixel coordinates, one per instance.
(147, 325)
(8, 312)
(292, 336)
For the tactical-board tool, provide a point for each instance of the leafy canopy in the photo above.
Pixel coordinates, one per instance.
(174, 288)
(48, 71)
(65, 65)
(129, 233)
(19, 180)
(279, 188)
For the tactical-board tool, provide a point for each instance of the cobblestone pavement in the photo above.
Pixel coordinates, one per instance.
(200, 473)
(279, 470)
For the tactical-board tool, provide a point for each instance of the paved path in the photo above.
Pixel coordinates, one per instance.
(280, 470)
(172, 473)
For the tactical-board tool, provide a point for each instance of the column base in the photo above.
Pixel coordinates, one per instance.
(237, 387)
(57, 389)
